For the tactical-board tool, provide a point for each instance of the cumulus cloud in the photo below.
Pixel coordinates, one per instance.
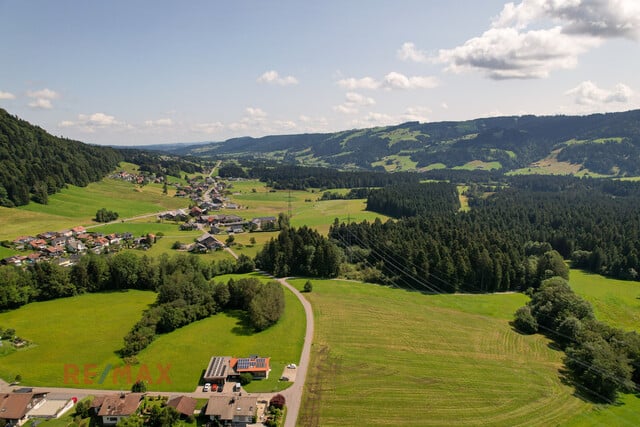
(42, 98)
(91, 122)
(391, 81)
(272, 77)
(409, 52)
(7, 95)
(521, 44)
(598, 18)
(362, 83)
(166, 122)
(353, 101)
(395, 80)
(41, 103)
(416, 114)
(588, 93)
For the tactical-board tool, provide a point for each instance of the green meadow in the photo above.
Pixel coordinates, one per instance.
(78, 205)
(615, 302)
(74, 344)
(384, 357)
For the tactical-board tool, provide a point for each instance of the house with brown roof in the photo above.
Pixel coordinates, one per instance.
(184, 405)
(237, 411)
(14, 407)
(118, 406)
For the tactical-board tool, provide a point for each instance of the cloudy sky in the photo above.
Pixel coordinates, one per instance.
(145, 72)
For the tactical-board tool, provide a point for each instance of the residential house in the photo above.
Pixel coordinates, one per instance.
(184, 405)
(118, 406)
(14, 406)
(236, 229)
(58, 241)
(236, 411)
(209, 241)
(75, 246)
(78, 230)
(195, 211)
(187, 226)
(53, 251)
(265, 222)
(257, 366)
(38, 244)
(65, 233)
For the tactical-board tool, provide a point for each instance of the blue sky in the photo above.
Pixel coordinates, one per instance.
(146, 72)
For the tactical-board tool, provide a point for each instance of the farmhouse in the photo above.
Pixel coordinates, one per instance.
(264, 222)
(237, 411)
(225, 368)
(208, 241)
(118, 406)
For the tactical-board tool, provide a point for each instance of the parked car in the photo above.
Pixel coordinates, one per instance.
(207, 387)
(291, 366)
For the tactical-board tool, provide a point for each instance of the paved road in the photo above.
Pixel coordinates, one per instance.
(294, 393)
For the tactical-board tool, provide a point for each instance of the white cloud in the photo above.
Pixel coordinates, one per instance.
(363, 83)
(409, 52)
(255, 112)
(43, 94)
(444, 106)
(597, 18)
(357, 99)
(7, 95)
(395, 80)
(42, 98)
(416, 114)
(272, 77)
(166, 122)
(91, 122)
(521, 44)
(506, 53)
(588, 93)
(41, 103)
(353, 101)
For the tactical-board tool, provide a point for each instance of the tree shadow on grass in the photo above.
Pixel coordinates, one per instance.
(243, 326)
(581, 392)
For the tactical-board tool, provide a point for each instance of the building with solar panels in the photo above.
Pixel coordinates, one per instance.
(225, 368)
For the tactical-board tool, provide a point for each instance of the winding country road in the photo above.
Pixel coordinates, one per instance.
(294, 393)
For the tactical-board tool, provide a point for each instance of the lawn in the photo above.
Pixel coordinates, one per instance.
(384, 357)
(81, 334)
(77, 332)
(616, 302)
(189, 349)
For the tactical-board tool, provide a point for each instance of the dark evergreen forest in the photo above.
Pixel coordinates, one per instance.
(35, 164)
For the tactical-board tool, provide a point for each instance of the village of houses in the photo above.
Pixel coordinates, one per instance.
(227, 404)
(207, 197)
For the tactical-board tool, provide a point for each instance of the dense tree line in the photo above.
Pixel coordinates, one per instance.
(501, 243)
(232, 170)
(97, 273)
(105, 215)
(302, 178)
(413, 199)
(161, 163)
(35, 164)
(302, 251)
(602, 360)
(186, 296)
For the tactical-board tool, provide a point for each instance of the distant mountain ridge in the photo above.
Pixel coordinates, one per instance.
(607, 144)
(35, 164)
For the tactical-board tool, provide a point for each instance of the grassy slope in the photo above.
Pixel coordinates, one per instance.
(393, 357)
(76, 331)
(77, 206)
(617, 303)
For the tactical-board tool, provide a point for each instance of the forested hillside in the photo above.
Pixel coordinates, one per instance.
(35, 164)
(606, 144)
